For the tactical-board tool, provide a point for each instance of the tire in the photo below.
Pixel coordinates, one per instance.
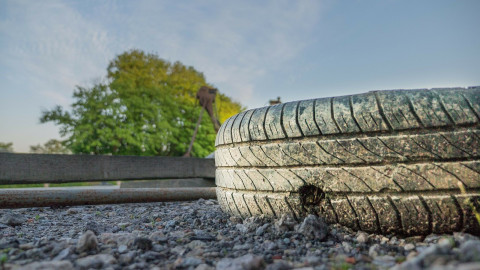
(386, 162)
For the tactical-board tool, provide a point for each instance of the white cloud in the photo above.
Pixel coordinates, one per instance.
(51, 47)
(234, 44)
(55, 45)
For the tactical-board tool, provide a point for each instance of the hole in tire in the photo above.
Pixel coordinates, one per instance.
(311, 195)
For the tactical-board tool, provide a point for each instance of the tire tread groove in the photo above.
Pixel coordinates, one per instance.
(383, 162)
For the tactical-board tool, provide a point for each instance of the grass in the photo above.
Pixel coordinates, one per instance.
(3, 258)
(342, 266)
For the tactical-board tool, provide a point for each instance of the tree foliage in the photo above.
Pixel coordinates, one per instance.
(146, 107)
(6, 147)
(51, 147)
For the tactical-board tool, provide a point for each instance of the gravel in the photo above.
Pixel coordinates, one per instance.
(198, 235)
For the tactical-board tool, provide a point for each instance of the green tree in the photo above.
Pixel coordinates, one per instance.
(6, 147)
(148, 107)
(53, 146)
(94, 123)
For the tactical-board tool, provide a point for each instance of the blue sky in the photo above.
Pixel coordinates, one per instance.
(251, 50)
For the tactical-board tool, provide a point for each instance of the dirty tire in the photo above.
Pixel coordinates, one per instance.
(382, 162)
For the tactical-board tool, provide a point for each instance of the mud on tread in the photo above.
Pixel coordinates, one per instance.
(384, 161)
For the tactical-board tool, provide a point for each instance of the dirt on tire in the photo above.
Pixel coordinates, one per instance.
(382, 162)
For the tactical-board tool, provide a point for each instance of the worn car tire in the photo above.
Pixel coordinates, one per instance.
(382, 162)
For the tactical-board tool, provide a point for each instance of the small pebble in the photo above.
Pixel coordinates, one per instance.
(198, 235)
(362, 237)
(122, 248)
(12, 219)
(142, 243)
(88, 241)
(409, 247)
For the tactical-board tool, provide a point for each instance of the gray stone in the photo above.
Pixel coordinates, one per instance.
(158, 248)
(126, 258)
(235, 219)
(62, 255)
(384, 261)
(197, 222)
(26, 246)
(347, 246)
(408, 265)
(179, 250)
(269, 245)
(468, 266)
(54, 265)
(95, 227)
(242, 228)
(281, 265)
(246, 262)
(204, 266)
(285, 223)
(411, 255)
(122, 248)
(123, 224)
(261, 230)
(203, 236)
(312, 260)
(117, 238)
(252, 223)
(446, 244)
(96, 261)
(374, 250)
(151, 255)
(155, 236)
(313, 227)
(241, 247)
(196, 244)
(142, 243)
(190, 262)
(73, 210)
(170, 224)
(384, 240)
(409, 247)
(470, 250)
(12, 219)
(177, 234)
(8, 243)
(88, 241)
(461, 237)
(362, 237)
(429, 251)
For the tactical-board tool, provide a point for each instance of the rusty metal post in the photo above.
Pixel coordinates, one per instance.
(206, 97)
(190, 147)
(40, 197)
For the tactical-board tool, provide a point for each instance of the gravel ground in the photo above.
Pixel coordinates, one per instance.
(198, 235)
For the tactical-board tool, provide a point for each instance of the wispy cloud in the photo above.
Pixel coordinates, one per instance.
(55, 45)
(51, 47)
(233, 44)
